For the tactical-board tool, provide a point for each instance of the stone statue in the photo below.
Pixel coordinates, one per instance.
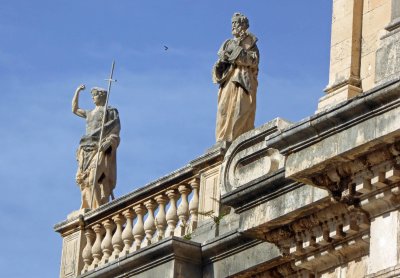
(86, 154)
(236, 71)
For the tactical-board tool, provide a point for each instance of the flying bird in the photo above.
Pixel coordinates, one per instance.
(165, 47)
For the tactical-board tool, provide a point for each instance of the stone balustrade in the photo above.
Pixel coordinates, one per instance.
(155, 214)
(172, 212)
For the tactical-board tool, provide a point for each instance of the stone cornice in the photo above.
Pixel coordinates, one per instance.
(342, 116)
(226, 245)
(259, 190)
(353, 81)
(393, 25)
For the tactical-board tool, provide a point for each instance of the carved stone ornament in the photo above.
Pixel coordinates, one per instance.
(346, 181)
(249, 157)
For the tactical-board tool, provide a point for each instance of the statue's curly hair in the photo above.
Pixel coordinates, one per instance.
(98, 91)
(242, 19)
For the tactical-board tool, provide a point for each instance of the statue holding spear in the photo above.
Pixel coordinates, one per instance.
(96, 154)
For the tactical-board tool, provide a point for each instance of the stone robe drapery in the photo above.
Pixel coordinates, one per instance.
(87, 154)
(236, 71)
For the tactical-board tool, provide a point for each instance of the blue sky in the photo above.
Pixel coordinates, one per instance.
(166, 99)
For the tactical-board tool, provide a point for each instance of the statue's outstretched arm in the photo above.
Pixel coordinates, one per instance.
(75, 103)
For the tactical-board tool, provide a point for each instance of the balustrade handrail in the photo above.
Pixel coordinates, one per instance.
(175, 178)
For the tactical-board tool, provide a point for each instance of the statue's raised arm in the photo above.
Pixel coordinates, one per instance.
(75, 103)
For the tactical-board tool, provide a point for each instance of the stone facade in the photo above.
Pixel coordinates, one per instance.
(316, 198)
(358, 30)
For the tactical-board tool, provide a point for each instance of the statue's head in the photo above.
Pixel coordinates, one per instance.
(99, 96)
(240, 24)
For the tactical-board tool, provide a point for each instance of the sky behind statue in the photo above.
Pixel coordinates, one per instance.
(166, 98)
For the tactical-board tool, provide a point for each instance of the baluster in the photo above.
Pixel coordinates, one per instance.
(106, 244)
(161, 222)
(138, 230)
(117, 242)
(96, 249)
(183, 210)
(172, 217)
(194, 204)
(87, 251)
(127, 236)
(149, 226)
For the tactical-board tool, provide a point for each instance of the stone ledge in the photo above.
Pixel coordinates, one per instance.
(282, 210)
(390, 272)
(335, 254)
(393, 25)
(226, 245)
(233, 253)
(169, 249)
(339, 117)
(70, 225)
(262, 189)
(216, 151)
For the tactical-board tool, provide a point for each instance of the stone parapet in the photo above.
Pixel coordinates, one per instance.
(165, 208)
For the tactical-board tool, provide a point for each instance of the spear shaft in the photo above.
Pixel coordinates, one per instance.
(110, 80)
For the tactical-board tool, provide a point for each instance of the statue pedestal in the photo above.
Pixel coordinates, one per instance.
(73, 244)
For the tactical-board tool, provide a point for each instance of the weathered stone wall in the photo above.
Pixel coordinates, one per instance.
(376, 16)
(358, 27)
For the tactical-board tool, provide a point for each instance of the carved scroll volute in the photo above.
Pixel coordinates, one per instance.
(138, 230)
(183, 210)
(172, 217)
(127, 236)
(117, 242)
(106, 244)
(149, 225)
(96, 249)
(87, 251)
(161, 221)
(194, 204)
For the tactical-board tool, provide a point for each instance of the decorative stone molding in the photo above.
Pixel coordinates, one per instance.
(322, 240)
(340, 232)
(249, 158)
(347, 181)
(386, 273)
(395, 16)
